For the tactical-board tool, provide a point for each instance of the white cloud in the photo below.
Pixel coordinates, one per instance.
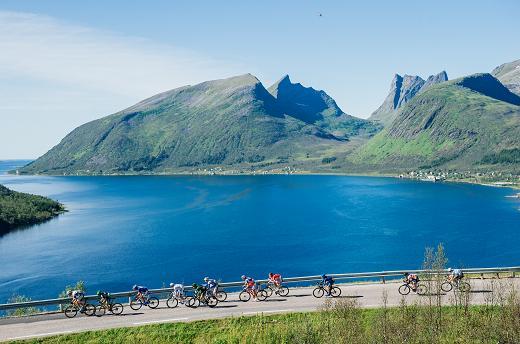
(61, 75)
(42, 47)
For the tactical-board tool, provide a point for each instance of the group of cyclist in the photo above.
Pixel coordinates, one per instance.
(210, 287)
(413, 280)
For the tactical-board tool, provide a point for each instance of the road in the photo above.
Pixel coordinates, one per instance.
(299, 300)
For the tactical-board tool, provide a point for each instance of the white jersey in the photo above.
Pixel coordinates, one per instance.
(77, 294)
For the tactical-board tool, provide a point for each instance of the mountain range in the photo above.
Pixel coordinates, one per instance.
(402, 90)
(238, 124)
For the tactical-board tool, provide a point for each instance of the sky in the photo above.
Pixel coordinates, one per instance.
(64, 63)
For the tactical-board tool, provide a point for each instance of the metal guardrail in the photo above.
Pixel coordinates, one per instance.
(357, 275)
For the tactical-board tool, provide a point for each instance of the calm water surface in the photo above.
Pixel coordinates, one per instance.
(121, 231)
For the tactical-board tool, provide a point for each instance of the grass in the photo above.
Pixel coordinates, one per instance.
(340, 322)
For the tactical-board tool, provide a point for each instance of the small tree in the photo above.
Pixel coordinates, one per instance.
(435, 261)
(80, 285)
(15, 298)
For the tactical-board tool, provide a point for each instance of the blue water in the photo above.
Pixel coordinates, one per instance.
(121, 231)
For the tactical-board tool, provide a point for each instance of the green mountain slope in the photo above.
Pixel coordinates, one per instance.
(472, 122)
(229, 122)
(318, 108)
(21, 209)
(509, 75)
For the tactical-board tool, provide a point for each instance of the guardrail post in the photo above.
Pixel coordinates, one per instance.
(498, 275)
(481, 276)
(513, 275)
(383, 279)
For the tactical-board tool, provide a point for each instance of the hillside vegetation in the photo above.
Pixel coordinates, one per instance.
(21, 209)
(472, 122)
(229, 122)
(469, 125)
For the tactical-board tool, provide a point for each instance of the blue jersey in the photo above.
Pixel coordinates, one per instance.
(211, 284)
(328, 280)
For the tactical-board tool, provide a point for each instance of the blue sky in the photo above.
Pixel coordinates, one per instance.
(63, 63)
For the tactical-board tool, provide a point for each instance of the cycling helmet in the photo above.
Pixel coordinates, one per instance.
(243, 277)
(206, 279)
(171, 285)
(323, 276)
(194, 285)
(406, 273)
(134, 287)
(450, 269)
(98, 292)
(270, 274)
(69, 292)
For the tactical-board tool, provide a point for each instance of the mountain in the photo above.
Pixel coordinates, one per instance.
(471, 122)
(229, 122)
(402, 90)
(21, 209)
(509, 75)
(318, 108)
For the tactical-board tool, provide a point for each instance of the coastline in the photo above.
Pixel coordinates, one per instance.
(511, 185)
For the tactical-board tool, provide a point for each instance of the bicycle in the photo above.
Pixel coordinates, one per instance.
(458, 284)
(319, 291)
(138, 302)
(106, 304)
(247, 293)
(201, 298)
(174, 300)
(405, 288)
(278, 290)
(72, 310)
(221, 295)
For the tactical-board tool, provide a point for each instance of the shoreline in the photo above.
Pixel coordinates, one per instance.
(513, 186)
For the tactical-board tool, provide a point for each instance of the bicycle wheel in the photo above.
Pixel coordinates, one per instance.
(153, 302)
(193, 302)
(464, 287)
(116, 308)
(172, 302)
(268, 291)
(404, 289)
(283, 291)
(335, 291)
(136, 304)
(318, 292)
(261, 295)
(244, 296)
(211, 301)
(70, 311)
(90, 310)
(100, 310)
(446, 287)
(421, 289)
(221, 296)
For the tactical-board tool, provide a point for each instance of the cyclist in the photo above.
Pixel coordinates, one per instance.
(199, 290)
(328, 282)
(276, 279)
(178, 291)
(455, 275)
(142, 293)
(211, 285)
(104, 297)
(412, 280)
(249, 285)
(78, 298)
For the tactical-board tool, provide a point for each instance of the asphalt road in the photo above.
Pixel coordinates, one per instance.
(298, 300)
